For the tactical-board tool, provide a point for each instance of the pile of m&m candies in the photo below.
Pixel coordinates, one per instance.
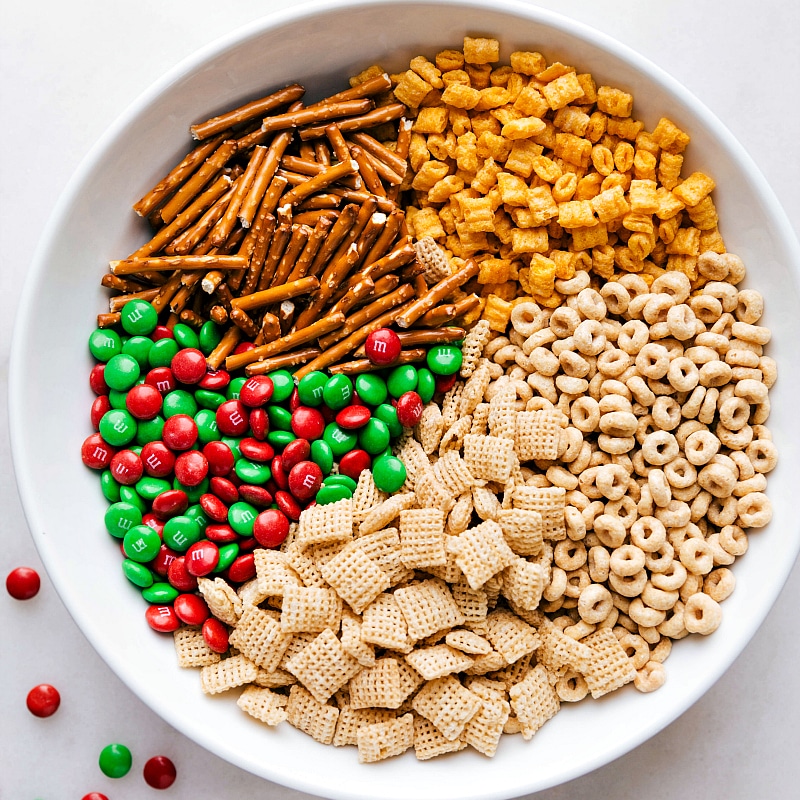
(200, 467)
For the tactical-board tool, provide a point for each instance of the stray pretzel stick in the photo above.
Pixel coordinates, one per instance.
(219, 315)
(315, 113)
(439, 315)
(287, 359)
(315, 240)
(276, 294)
(369, 120)
(208, 169)
(108, 320)
(368, 313)
(360, 366)
(192, 318)
(278, 244)
(248, 112)
(133, 266)
(396, 163)
(335, 353)
(367, 171)
(175, 178)
(227, 344)
(438, 292)
(160, 301)
(211, 280)
(116, 303)
(222, 230)
(321, 153)
(191, 237)
(285, 343)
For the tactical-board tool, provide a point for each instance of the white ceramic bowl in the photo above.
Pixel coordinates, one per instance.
(319, 45)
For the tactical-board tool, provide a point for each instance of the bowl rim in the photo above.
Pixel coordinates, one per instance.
(191, 63)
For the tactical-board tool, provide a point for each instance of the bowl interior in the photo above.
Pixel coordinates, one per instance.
(320, 45)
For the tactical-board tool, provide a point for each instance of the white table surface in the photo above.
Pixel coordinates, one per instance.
(68, 70)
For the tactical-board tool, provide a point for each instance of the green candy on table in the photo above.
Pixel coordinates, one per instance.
(322, 455)
(122, 517)
(426, 385)
(371, 389)
(138, 317)
(402, 379)
(227, 555)
(194, 493)
(139, 347)
(149, 487)
(282, 385)
(160, 593)
(138, 574)
(241, 517)
(207, 399)
(279, 418)
(104, 344)
(340, 441)
(115, 760)
(141, 543)
(387, 414)
(179, 401)
(209, 337)
(332, 493)
(149, 430)
(109, 486)
(234, 387)
(121, 372)
(375, 436)
(337, 392)
(118, 427)
(207, 430)
(252, 472)
(279, 439)
(127, 494)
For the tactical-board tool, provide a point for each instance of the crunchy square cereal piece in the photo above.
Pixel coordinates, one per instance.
(526, 239)
(260, 637)
(472, 348)
(432, 493)
(549, 502)
(472, 603)
(534, 701)
(610, 204)
(511, 636)
(438, 660)
(478, 50)
(422, 538)
(467, 642)
(546, 169)
(352, 642)
(489, 458)
(478, 213)
(669, 169)
(429, 174)
(427, 70)
(520, 159)
(431, 119)
(434, 260)
(576, 214)
(522, 529)
(366, 496)
(704, 214)
(453, 472)
(430, 743)
(191, 648)
(587, 238)
(357, 579)
(309, 715)
(381, 740)
(381, 515)
(310, 609)
(426, 223)
(263, 704)
(642, 197)
(502, 411)
(428, 607)
(250, 593)
(542, 206)
(447, 704)
(537, 435)
(694, 189)
(513, 190)
(527, 63)
(669, 137)
(573, 149)
(222, 600)
(461, 96)
(229, 673)
(481, 552)
(492, 97)
(610, 667)
(274, 680)
(379, 686)
(541, 275)
(383, 624)
(323, 666)
(411, 89)
(496, 270)
(352, 719)
(562, 90)
(323, 524)
(558, 651)
(273, 572)
(523, 128)
(523, 583)
(304, 566)
(484, 730)
(685, 242)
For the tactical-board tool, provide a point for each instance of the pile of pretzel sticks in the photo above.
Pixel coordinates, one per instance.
(282, 225)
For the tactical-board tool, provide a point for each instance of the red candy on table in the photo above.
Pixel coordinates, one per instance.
(221, 534)
(23, 583)
(191, 468)
(191, 609)
(215, 634)
(232, 418)
(158, 460)
(94, 796)
(352, 464)
(271, 527)
(126, 467)
(224, 489)
(162, 618)
(100, 405)
(304, 480)
(295, 452)
(159, 772)
(214, 507)
(353, 416)
(188, 365)
(161, 332)
(409, 409)
(96, 453)
(162, 379)
(444, 383)
(166, 555)
(256, 391)
(383, 347)
(307, 423)
(144, 401)
(214, 380)
(201, 558)
(279, 472)
(220, 460)
(243, 347)
(180, 432)
(288, 505)
(43, 700)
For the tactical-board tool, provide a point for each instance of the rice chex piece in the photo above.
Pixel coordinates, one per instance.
(351, 639)
(429, 430)
(274, 679)
(382, 740)
(321, 554)
(191, 648)
(522, 529)
(352, 719)
(610, 667)
(511, 636)
(550, 502)
(429, 742)
(538, 434)
(472, 348)
(486, 663)
(250, 594)
(261, 638)
(485, 503)
(383, 547)
(322, 524)
(503, 411)
(438, 661)
(310, 609)
(221, 599)
(480, 420)
(472, 603)
(273, 572)
(323, 666)
(304, 566)
(460, 516)
(534, 701)
(523, 583)
(481, 552)
(433, 259)
(378, 686)
(468, 642)
(490, 458)
(366, 496)
(451, 404)
(229, 673)
(410, 679)
(428, 607)
(447, 704)
(449, 572)
(307, 714)
(475, 388)
(432, 493)
(453, 437)
(422, 538)
(265, 705)
(454, 473)
(357, 579)
(484, 730)
(297, 642)
(384, 625)
(381, 515)
(558, 651)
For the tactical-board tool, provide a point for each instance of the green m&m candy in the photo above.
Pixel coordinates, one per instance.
(402, 379)
(252, 471)
(371, 389)
(160, 593)
(109, 486)
(279, 439)
(206, 421)
(127, 494)
(389, 473)
(179, 401)
(121, 372)
(444, 359)
(193, 493)
(331, 493)
(340, 441)
(340, 480)
(115, 760)
(122, 517)
(104, 344)
(241, 517)
(139, 347)
(322, 455)
(374, 437)
(185, 336)
(207, 399)
(337, 392)
(280, 419)
(149, 430)
(138, 317)
(117, 427)
(234, 387)
(141, 543)
(181, 532)
(117, 399)
(138, 574)
(426, 385)
(282, 385)
(162, 352)
(209, 337)
(227, 555)
(310, 387)
(387, 414)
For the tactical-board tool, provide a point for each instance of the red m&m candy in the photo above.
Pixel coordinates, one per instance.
(271, 527)
(232, 418)
(307, 423)
(23, 583)
(256, 390)
(383, 347)
(127, 467)
(159, 772)
(215, 634)
(305, 478)
(180, 432)
(162, 618)
(188, 365)
(43, 700)
(157, 459)
(409, 409)
(144, 401)
(96, 453)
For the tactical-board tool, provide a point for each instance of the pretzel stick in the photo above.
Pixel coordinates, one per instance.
(219, 315)
(242, 320)
(369, 312)
(190, 317)
(116, 303)
(227, 344)
(211, 280)
(367, 171)
(108, 320)
(264, 180)
(323, 201)
(401, 148)
(248, 111)
(358, 292)
(275, 294)
(398, 257)
(348, 344)
(438, 292)
(367, 88)
(340, 149)
(184, 294)
(175, 178)
(304, 166)
(398, 164)
(159, 302)
(384, 171)
(278, 244)
(285, 343)
(186, 242)
(321, 153)
(439, 315)
(336, 236)
(360, 366)
(110, 281)
(261, 235)
(133, 266)
(356, 123)
(387, 237)
(297, 243)
(208, 169)
(315, 240)
(360, 197)
(325, 178)
(316, 113)
(270, 330)
(287, 360)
